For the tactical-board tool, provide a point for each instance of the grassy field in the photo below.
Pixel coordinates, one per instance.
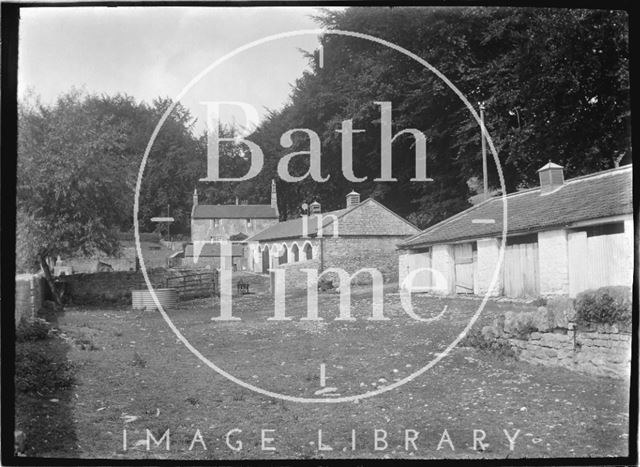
(133, 374)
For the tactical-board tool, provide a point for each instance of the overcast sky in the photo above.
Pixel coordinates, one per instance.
(151, 52)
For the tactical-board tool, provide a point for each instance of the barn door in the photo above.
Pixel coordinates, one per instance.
(520, 272)
(463, 256)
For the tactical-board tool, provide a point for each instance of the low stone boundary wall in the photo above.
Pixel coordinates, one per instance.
(108, 287)
(598, 353)
(30, 290)
(549, 336)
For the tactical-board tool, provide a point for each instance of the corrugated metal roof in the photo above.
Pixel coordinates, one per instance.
(234, 211)
(599, 195)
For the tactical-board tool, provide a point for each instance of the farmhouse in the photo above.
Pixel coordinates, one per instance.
(362, 235)
(231, 222)
(563, 237)
(235, 222)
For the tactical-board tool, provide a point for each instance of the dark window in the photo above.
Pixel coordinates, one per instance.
(605, 229)
(521, 239)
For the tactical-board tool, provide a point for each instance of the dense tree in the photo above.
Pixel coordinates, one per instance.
(555, 85)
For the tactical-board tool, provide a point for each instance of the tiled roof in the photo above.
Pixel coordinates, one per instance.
(234, 211)
(293, 228)
(362, 225)
(594, 196)
(213, 250)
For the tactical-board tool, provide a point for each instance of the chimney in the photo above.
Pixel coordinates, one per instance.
(195, 196)
(353, 199)
(314, 208)
(551, 177)
(274, 196)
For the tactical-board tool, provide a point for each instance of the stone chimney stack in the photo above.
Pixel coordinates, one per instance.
(551, 177)
(274, 196)
(195, 201)
(353, 199)
(315, 208)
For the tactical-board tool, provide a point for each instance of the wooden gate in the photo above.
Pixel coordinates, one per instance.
(463, 257)
(520, 270)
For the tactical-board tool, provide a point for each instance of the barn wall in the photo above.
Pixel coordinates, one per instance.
(443, 262)
(354, 253)
(554, 262)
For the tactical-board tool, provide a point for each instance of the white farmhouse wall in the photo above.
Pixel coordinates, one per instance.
(553, 254)
(443, 262)
(488, 260)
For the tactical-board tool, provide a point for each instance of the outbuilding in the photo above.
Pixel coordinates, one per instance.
(562, 237)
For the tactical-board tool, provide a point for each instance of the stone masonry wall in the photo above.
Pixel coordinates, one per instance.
(599, 353)
(108, 287)
(354, 253)
(29, 295)
(549, 336)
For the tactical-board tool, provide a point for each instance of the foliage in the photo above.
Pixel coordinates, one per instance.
(42, 366)
(555, 83)
(32, 330)
(540, 301)
(606, 305)
(496, 346)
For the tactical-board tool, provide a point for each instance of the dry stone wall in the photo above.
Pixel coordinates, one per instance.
(549, 336)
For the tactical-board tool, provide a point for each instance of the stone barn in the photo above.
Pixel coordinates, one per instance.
(563, 237)
(362, 235)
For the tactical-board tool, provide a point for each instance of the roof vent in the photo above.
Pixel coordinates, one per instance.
(353, 199)
(315, 208)
(551, 177)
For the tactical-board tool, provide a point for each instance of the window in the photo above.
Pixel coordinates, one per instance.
(605, 229)
(248, 222)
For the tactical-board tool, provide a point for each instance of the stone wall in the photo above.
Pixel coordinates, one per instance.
(549, 336)
(108, 287)
(598, 353)
(30, 290)
(357, 252)
(295, 278)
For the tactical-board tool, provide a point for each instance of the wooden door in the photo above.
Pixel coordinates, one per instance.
(463, 258)
(520, 270)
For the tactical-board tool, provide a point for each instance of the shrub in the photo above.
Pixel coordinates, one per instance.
(540, 301)
(35, 329)
(42, 366)
(606, 305)
(499, 347)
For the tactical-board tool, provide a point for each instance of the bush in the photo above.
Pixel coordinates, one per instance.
(606, 305)
(499, 347)
(42, 366)
(29, 330)
(540, 301)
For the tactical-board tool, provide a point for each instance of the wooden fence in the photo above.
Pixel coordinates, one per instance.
(190, 284)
